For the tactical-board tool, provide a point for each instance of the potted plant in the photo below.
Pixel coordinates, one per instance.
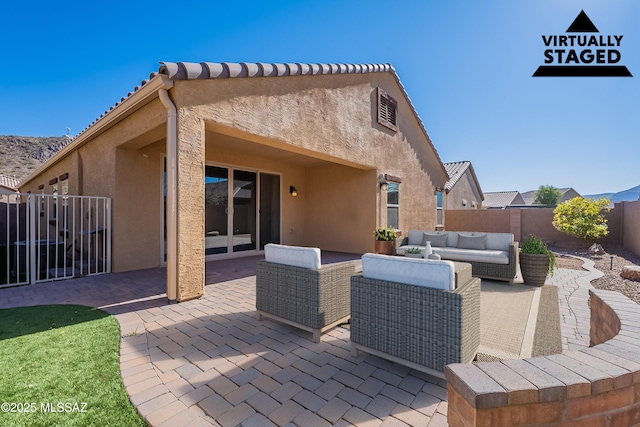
(536, 261)
(413, 252)
(385, 240)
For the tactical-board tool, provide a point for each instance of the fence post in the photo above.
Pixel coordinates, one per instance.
(32, 202)
(108, 235)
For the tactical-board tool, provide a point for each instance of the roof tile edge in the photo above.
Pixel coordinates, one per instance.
(213, 70)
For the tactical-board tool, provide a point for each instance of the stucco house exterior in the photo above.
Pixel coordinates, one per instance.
(463, 188)
(211, 160)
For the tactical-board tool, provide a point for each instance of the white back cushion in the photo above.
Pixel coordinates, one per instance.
(296, 256)
(413, 271)
(499, 241)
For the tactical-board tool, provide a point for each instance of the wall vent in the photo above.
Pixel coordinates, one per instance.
(387, 110)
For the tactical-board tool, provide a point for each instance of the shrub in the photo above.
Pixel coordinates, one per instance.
(583, 218)
(385, 234)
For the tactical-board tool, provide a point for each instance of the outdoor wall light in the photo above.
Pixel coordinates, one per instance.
(384, 185)
(293, 191)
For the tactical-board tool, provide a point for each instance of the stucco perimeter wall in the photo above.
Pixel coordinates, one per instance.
(596, 386)
(538, 221)
(328, 117)
(631, 226)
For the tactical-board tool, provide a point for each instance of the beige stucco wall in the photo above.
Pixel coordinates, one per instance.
(94, 171)
(138, 207)
(329, 117)
(464, 189)
(330, 120)
(341, 207)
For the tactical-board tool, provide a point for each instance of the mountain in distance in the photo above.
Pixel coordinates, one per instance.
(22, 155)
(630, 195)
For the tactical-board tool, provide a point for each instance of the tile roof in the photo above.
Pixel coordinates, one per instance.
(499, 198)
(9, 182)
(215, 70)
(455, 170)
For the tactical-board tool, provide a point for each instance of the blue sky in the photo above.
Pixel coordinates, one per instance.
(466, 65)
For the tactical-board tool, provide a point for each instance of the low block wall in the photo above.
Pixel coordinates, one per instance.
(596, 386)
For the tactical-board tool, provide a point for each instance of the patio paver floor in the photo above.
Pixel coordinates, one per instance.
(210, 362)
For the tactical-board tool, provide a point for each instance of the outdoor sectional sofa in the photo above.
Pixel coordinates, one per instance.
(491, 255)
(421, 313)
(293, 287)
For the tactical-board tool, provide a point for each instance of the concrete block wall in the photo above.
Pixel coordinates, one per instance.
(596, 386)
(623, 221)
(631, 226)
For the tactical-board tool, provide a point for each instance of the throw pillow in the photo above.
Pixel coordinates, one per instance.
(466, 241)
(439, 240)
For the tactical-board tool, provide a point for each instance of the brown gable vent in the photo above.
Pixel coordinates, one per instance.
(387, 110)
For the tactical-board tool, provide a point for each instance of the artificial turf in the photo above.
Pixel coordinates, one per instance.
(60, 367)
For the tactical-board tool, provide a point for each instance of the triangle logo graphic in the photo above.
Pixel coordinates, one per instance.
(582, 24)
(582, 55)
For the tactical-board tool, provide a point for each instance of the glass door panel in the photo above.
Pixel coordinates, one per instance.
(269, 209)
(244, 210)
(216, 184)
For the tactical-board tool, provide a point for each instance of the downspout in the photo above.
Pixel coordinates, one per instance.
(172, 197)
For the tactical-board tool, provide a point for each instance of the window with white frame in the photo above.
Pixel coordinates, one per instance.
(393, 205)
(439, 210)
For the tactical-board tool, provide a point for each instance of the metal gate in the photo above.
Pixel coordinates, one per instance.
(46, 237)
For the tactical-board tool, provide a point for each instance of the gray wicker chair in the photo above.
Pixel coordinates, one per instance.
(314, 300)
(417, 326)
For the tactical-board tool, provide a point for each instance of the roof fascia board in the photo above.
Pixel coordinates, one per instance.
(135, 101)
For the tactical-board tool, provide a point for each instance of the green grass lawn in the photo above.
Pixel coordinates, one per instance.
(62, 358)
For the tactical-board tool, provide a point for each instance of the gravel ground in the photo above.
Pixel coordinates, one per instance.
(611, 279)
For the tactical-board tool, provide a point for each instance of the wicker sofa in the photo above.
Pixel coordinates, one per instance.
(491, 255)
(293, 287)
(421, 313)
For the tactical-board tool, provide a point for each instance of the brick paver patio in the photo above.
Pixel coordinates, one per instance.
(210, 362)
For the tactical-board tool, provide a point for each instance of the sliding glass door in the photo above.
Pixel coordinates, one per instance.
(242, 210)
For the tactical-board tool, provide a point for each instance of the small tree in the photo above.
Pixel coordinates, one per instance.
(547, 195)
(580, 217)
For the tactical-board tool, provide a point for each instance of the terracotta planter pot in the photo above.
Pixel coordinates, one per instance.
(384, 247)
(534, 268)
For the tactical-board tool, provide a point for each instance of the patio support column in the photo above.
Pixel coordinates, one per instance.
(190, 157)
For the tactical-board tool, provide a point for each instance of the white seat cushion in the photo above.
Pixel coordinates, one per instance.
(296, 256)
(412, 271)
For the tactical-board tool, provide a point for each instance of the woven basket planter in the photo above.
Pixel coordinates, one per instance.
(534, 268)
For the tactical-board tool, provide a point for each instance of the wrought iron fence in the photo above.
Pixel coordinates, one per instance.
(46, 237)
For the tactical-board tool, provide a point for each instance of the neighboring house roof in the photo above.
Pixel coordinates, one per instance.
(215, 70)
(502, 199)
(567, 193)
(9, 182)
(456, 170)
